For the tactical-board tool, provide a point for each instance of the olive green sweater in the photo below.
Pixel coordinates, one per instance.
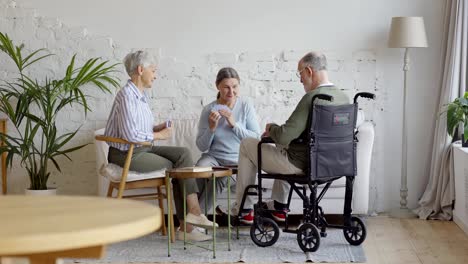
(297, 123)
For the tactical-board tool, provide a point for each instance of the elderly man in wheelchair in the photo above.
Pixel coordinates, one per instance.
(321, 147)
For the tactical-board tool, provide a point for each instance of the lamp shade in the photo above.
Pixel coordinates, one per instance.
(407, 32)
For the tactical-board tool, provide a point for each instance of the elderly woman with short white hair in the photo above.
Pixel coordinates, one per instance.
(131, 119)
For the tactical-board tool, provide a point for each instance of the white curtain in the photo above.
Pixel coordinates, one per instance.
(437, 200)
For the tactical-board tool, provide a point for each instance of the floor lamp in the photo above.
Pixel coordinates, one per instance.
(405, 32)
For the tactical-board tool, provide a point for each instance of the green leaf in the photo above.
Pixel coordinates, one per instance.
(465, 132)
(463, 101)
(33, 106)
(452, 119)
(35, 60)
(63, 152)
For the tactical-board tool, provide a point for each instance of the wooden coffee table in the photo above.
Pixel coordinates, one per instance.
(213, 174)
(45, 228)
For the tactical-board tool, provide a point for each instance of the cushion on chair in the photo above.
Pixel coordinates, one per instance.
(114, 173)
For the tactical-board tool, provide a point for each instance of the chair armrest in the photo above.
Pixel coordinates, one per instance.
(364, 161)
(121, 141)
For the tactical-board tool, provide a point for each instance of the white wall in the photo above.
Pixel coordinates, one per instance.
(257, 37)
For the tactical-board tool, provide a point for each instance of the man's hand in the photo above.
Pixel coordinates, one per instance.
(229, 117)
(267, 130)
(164, 133)
(213, 120)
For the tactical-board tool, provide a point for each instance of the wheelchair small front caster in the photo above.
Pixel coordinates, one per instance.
(323, 231)
(356, 233)
(264, 232)
(308, 237)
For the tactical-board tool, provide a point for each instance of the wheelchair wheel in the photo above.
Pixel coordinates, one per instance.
(264, 232)
(356, 233)
(308, 237)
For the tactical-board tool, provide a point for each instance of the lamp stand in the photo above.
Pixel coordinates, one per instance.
(403, 211)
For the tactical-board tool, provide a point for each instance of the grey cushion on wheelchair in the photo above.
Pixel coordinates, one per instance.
(333, 151)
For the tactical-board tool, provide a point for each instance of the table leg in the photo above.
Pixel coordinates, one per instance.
(213, 179)
(185, 212)
(169, 214)
(206, 202)
(42, 260)
(229, 212)
(51, 257)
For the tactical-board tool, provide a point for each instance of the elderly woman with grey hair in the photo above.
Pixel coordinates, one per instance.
(131, 119)
(223, 124)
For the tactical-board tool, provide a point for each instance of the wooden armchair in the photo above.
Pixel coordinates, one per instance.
(120, 180)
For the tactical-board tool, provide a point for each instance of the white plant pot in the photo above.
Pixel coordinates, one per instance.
(48, 192)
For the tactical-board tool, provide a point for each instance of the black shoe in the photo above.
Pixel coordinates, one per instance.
(220, 211)
(234, 220)
(224, 216)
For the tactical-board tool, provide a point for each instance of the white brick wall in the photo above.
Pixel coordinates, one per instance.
(182, 87)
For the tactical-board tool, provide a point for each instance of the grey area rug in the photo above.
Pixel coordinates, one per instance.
(153, 248)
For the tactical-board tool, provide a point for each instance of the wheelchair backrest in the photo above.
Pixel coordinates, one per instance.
(332, 144)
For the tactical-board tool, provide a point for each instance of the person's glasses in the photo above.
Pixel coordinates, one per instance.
(298, 73)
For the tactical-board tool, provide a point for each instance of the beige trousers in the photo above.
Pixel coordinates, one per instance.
(274, 160)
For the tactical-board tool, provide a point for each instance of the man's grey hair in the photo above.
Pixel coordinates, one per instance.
(316, 60)
(135, 59)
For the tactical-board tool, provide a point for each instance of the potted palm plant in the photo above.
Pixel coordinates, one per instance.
(32, 106)
(457, 113)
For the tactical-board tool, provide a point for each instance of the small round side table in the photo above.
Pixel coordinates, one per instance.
(188, 174)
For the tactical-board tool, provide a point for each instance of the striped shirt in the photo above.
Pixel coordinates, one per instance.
(130, 118)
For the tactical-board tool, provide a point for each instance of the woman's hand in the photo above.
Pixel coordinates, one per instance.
(213, 120)
(164, 133)
(159, 127)
(229, 117)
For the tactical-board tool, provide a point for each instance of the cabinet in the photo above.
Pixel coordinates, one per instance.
(460, 160)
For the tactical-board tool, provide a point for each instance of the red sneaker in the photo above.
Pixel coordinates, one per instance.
(247, 219)
(278, 216)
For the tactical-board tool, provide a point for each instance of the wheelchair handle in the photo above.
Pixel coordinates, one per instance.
(325, 97)
(365, 95)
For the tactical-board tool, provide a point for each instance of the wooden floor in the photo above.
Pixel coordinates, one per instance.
(414, 241)
(410, 241)
(391, 241)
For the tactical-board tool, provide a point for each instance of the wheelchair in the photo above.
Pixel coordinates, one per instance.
(331, 141)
